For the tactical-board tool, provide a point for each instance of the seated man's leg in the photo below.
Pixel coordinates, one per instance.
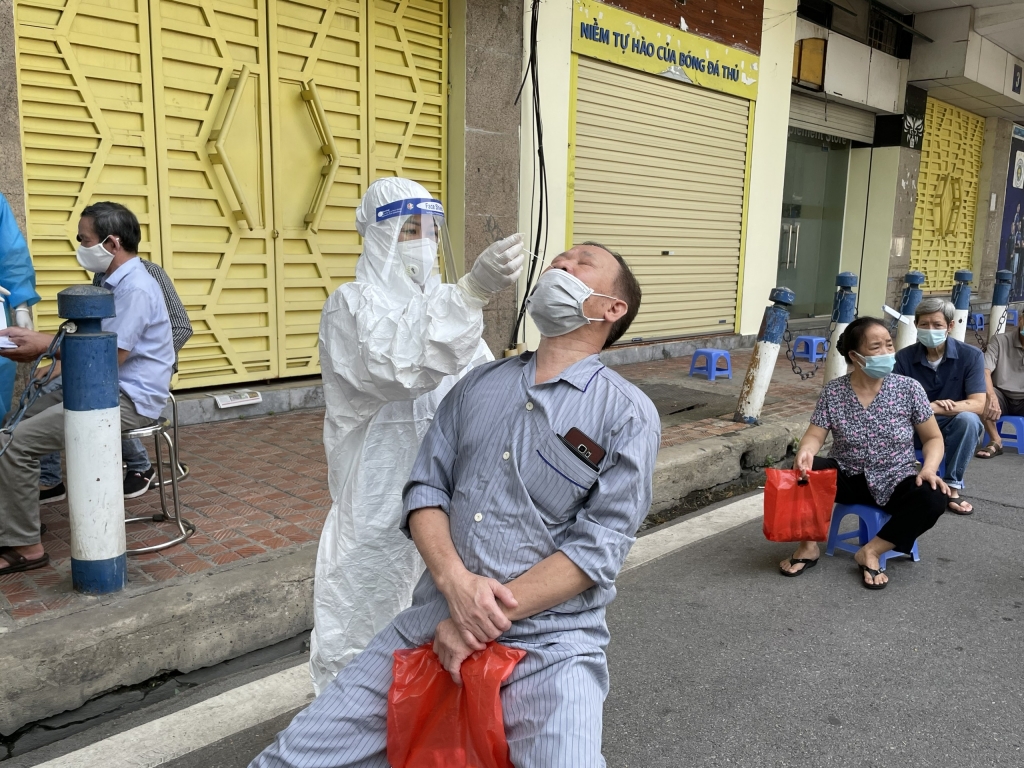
(553, 706)
(49, 470)
(39, 433)
(346, 726)
(961, 434)
(135, 455)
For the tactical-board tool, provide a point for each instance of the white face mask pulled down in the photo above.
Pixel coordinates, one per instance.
(94, 258)
(418, 258)
(556, 304)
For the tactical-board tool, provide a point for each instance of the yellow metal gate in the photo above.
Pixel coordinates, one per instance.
(243, 133)
(659, 175)
(947, 193)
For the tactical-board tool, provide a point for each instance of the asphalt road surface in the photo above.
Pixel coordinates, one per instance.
(716, 660)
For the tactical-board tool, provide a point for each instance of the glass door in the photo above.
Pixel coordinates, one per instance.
(813, 202)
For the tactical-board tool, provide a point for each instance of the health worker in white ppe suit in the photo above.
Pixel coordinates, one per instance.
(392, 344)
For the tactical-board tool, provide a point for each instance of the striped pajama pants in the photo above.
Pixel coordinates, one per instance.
(552, 705)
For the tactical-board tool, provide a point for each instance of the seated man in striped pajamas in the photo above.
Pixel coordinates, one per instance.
(524, 501)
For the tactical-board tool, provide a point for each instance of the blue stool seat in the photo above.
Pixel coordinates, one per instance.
(976, 321)
(710, 365)
(871, 520)
(1013, 439)
(1011, 317)
(919, 455)
(807, 348)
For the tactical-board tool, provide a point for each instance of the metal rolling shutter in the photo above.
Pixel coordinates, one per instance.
(659, 167)
(831, 117)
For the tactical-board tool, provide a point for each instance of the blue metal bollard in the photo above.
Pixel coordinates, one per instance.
(961, 303)
(906, 333)
(1000, 300)
(844, 309)
(92, 441)
(766, 352)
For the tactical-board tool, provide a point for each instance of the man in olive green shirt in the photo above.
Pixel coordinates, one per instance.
(1004, 385)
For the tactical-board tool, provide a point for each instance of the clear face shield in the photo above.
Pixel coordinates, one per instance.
(421, 244)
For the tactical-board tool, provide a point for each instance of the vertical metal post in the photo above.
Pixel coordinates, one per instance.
(1000, 300)
(961, 303)
(92, 441)
(766, 352)
(906, 333)
(844, 309)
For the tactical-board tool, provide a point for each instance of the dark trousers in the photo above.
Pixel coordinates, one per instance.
(913, 508)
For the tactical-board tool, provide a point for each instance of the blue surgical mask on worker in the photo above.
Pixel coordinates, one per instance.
(877, 366)
(931, 337)
(556, 304)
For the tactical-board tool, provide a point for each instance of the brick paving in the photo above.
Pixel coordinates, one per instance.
(788, 396)
(254, 486)
(260, 485)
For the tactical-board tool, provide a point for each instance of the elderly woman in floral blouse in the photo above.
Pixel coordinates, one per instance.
(873, 414)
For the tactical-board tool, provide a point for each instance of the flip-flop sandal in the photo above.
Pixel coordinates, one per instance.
(19, 562)
(989, 451)
(874, 574)
(805, 561)
(959, 500)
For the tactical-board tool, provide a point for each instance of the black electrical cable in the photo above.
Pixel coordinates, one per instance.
(541, 172)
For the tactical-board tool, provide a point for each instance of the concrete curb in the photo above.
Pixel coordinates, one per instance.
(61, 662)
(712, 461)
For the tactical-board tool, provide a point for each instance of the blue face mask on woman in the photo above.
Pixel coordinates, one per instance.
(878, 366)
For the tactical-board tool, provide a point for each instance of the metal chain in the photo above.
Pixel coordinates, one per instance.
(34, 388)
(788, 338)
(983, 339)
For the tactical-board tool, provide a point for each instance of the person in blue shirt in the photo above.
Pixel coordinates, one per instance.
(17, 289)
(108, 236)
(953, 375)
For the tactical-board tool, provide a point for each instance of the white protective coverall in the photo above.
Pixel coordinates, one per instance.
(389, 350)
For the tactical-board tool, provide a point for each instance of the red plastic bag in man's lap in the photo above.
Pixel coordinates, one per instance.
(795, 512)
(433, 723)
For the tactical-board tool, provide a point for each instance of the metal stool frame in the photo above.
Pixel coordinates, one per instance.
(158, 432)
(182, 468)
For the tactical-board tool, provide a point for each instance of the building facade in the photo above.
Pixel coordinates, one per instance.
(243, 135)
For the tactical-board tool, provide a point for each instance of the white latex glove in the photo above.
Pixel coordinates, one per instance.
(495, 269)
(4, 291)
(23, 317)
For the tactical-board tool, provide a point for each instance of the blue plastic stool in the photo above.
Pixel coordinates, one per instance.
(807, 348)
(976, 321)
(919, 454)
(871, 521)
(710, 367)
(1013, 439)
(1011, 317)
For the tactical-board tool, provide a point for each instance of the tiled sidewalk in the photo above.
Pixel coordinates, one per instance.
(260, 485)
(254, 486)
(789, 397)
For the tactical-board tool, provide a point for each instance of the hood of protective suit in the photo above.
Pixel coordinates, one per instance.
(379, 263)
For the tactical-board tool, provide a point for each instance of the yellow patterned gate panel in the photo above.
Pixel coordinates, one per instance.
(243, 133)
(409, 81)
(318, 60)
(87, 128)
(947, 193)
(213, 124)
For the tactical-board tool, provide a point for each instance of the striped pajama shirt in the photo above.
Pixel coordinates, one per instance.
(515, 494)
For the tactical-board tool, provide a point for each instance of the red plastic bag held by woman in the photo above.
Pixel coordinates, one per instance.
(795, 510)
(434, 723)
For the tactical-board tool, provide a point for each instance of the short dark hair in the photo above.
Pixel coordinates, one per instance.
(853, 336)
(628, 289)
(114, 219)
